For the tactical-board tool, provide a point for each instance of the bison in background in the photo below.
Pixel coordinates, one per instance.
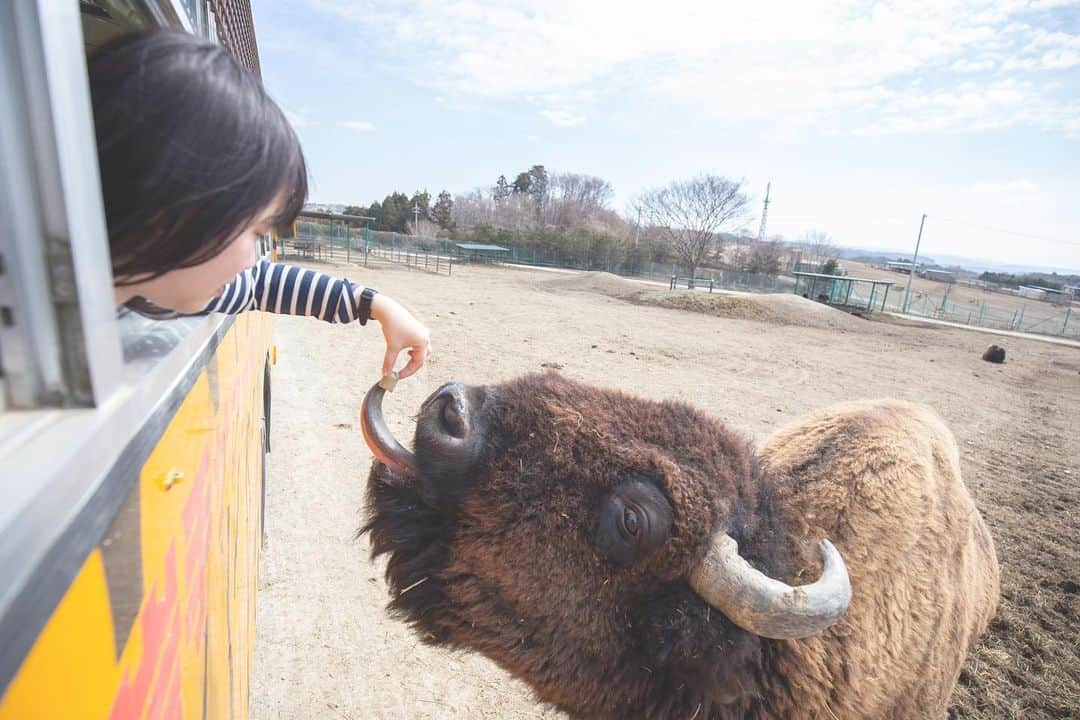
(635, 559)
(994, 354)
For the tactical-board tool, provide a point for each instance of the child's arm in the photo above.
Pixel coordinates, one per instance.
(289, 290)
(293, 290)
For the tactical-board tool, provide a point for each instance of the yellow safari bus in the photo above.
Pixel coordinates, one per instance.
(131, 450)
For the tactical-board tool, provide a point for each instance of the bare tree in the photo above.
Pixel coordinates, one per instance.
(764, 257)
(819, 247)
(574, 199)
(691, 214)
(473, 208)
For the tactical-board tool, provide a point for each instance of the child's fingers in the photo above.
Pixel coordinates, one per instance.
(389, 359)
(417, 356)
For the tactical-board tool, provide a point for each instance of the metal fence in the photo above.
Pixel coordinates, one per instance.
(733, 280)
(1051, 320)
(418, 259)
(330, 241)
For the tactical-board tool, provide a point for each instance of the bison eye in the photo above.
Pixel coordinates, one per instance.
(632, 520)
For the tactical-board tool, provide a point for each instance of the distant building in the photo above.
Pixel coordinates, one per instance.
(901, 266)
(813, 266)
(1038, 292)
(1033, 292)
(945, 276)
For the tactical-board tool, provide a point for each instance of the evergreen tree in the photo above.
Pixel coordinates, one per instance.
(442, 212)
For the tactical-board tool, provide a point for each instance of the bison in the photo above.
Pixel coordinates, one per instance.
(994, 354)
(636, 559)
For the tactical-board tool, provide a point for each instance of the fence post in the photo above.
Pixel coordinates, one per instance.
(1020, 322)
(1068, 312)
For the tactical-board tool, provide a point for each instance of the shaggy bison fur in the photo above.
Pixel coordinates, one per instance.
(512, 540)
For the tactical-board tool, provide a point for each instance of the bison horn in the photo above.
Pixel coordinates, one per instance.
(384, 446)
(768, 607)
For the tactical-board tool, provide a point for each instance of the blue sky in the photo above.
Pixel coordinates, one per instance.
(863, 115)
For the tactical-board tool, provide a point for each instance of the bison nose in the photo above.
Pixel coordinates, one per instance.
(448, 410)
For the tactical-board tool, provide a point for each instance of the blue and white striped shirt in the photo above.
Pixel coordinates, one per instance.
(288, 290)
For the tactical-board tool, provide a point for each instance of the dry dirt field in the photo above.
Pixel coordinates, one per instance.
(326, 649)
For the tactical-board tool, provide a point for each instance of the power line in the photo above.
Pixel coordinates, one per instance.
(1008, 232)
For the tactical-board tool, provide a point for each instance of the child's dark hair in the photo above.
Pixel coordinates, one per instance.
(191, 149)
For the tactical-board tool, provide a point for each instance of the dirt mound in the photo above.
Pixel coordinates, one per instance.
(797, 310)
(779, 308)
(734, 307)
(597, 282)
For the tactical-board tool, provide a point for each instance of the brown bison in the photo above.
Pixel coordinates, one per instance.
(994, 354)
(637, 559)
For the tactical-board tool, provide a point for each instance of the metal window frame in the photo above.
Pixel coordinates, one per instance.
(60, 345)
(60, 462)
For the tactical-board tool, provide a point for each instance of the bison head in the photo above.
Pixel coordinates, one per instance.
(617, 554)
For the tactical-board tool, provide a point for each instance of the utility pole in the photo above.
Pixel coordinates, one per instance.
(914, 259)
(416, 218)
(637, 232)
(764, 213)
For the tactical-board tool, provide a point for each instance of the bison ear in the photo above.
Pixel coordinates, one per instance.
(698, 648)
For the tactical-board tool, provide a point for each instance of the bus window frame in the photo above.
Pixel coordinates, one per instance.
(65, 446)
(59, 280)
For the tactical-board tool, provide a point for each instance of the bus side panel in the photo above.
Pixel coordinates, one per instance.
(236, 536)
(160, 620)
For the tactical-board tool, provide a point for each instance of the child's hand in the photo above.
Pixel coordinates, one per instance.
(402, 332)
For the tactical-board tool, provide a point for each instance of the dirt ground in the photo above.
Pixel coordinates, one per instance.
(325, 647)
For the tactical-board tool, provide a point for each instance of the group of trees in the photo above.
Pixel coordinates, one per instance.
(536, 197)
(1050, 280)
(694, 223)
(563, 216)
(401, 213)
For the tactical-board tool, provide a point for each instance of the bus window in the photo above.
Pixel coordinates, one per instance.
(145, 340)
(132, 450)
(103, 20)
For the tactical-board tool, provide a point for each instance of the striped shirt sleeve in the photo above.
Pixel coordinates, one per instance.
(288, 290)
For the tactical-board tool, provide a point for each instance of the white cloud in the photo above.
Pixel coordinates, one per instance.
(971, 106)
(563, 118)
(966, 65)
(1009, 187)
(1060, 59)
(359, 125)
(837, 65)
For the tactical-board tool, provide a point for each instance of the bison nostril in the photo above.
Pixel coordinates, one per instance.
(452, 421)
